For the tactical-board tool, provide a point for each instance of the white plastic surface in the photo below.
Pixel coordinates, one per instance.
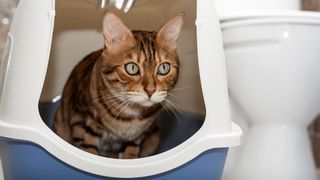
(4, 63)
(19, 117)
(227, 7)
(273, 74)
(274, 16)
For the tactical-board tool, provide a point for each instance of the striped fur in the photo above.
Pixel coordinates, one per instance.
(108, 112)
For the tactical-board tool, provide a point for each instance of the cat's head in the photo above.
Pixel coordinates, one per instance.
(140, 66)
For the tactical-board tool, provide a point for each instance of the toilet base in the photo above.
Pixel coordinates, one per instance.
(277, 152)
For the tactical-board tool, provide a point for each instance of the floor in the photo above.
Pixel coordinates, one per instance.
(318, 174)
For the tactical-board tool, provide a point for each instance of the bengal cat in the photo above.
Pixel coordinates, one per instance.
(112, 99)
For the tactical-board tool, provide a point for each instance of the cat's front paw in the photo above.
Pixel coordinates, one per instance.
(131, 152)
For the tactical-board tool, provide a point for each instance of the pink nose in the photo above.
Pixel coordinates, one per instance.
(150, 91)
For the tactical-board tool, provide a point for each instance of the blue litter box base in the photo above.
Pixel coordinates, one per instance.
(24, 161)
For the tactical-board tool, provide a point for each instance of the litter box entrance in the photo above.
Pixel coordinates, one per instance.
(78, 31)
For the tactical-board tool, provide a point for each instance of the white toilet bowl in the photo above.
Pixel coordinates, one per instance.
(273, 64)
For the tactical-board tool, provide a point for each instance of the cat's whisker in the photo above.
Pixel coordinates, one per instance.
(106, 97)
(119, 104)
(115, 102)
(164, 106)
(169, 110)
(181, 88)
(108, 93)
(110, 100)
(103, 98)
(112, 95)
(163, 94)
(166, 109)
(123, 108)
(173, 109)
(133, 93)
(174, 97)
(116, 95)
(175, 104)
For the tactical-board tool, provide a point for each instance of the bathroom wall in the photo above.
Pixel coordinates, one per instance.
(314, 129)
(312, 5)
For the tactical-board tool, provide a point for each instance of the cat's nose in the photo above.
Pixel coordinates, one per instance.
(150, 91)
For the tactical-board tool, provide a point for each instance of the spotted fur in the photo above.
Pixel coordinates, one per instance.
(109, 112)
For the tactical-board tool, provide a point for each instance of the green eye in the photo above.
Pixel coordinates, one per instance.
(132, 69)
(164, 69)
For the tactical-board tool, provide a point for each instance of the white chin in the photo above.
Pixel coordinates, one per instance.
(147, 103)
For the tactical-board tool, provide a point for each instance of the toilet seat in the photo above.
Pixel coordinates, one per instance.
(302, 17)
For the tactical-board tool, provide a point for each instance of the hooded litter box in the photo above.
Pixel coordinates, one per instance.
(47, 38)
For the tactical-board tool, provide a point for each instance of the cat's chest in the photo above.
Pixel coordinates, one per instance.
(133, 112)
(132, 129)
(128, 129)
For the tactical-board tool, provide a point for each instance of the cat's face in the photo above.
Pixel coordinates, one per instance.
(139, 66)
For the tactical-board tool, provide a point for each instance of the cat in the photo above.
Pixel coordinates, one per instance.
(112, 98)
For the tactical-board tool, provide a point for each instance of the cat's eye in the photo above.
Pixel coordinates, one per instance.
(164, 69)
(132, 69)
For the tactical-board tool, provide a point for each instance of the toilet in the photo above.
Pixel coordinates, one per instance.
(273, 66)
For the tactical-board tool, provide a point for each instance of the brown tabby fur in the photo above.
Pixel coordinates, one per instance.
(95, 114)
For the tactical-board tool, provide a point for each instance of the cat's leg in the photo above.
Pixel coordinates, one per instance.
(144, 146)
(84, 140)
(74, 132)
(131, 152)
(150, 143)
(110, 146)
(87, 135)
(59, 126)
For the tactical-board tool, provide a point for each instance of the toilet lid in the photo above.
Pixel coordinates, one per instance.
(226, 7)
(297, 17)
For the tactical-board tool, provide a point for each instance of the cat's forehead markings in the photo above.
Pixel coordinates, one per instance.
(162, 56)
(157, 57)
(141, 58)
(131, 56)
(146, 44)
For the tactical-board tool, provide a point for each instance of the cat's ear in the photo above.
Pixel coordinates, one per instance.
(117, 36)
(169, 33)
